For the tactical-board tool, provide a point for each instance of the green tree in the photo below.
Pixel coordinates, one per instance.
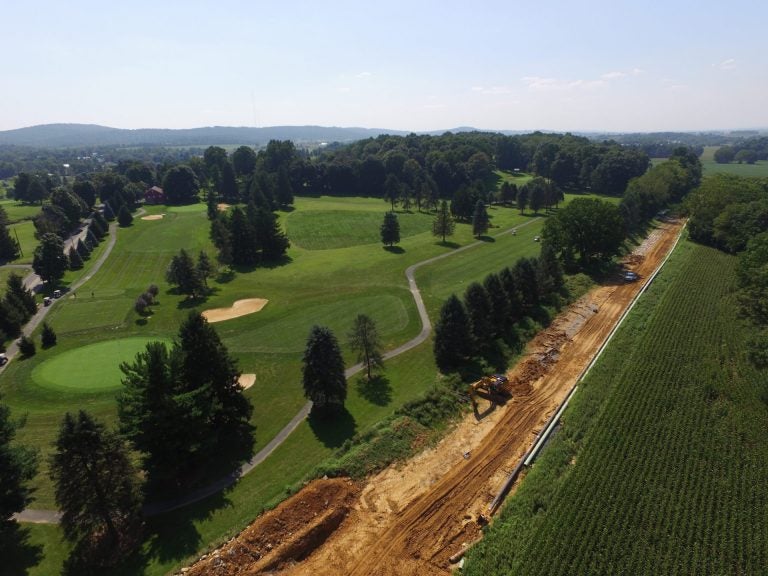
(537, 193)
(86, 191)
(452, 335)
(390, 229)
(497, 297)
(180, 185)
(478, 307)
(392, 190)
(522, 199)
(18, 464)
(124, 216)
(183, 274)
(49, 261)
(549, 272)
(242, 236)
(204, 267)
(443, 223)
(97, 489)
(37, 192)
(228, 187)
(323, 372)
(364, 340)
(27, 346)
(9, 247)
(211, 204)
(590, 228)
(75, 260)
(15, 287)
(480, 220)
(724, 155)
(753, 279)
(47, 336)
(526, 281)
(269, 235)
(244, 160)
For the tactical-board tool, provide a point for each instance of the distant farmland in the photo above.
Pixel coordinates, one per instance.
(661, 462)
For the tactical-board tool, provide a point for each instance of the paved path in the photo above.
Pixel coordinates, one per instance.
(32, 282)
(52, 516)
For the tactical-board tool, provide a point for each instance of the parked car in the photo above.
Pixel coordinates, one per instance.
(3, 359)
(629, 276)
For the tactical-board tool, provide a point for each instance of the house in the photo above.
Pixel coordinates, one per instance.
(154, 195)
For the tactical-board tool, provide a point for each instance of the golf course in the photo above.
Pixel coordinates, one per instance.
(336, 269)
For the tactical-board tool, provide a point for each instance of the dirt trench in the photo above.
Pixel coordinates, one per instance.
(410, 519)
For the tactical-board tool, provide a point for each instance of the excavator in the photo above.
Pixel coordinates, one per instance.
(489, 386)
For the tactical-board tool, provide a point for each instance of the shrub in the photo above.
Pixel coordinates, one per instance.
(48, 336)
(27, 346)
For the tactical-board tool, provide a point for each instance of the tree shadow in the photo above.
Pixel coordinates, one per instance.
(141, 321)
(334, 428)
(226, 276)
(394, 249)
(17, 553)
(449, 244)
(377, 390)
(485, 238)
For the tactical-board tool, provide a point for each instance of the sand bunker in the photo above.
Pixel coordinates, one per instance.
(239, 308)
(222, 206)
(153, 217)
(247, 380)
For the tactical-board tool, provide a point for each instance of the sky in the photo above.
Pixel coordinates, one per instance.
(585, 65)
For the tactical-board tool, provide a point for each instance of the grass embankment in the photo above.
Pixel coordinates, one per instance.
(328, 286)
(660, 464)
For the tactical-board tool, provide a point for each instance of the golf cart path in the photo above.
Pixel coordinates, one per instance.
(32, 281)
(53, 516)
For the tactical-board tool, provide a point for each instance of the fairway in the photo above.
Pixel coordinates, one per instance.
(91, 368)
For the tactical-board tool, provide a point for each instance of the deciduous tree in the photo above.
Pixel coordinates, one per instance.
(49, 261)
(364, 340)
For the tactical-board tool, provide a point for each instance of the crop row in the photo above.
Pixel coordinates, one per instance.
(670, 478)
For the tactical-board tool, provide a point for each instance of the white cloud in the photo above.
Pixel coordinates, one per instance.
(364, 75)
(728, 64)
(492, 90)
(613, 75)
(541, 83)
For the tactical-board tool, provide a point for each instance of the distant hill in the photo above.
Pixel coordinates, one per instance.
(87, 135)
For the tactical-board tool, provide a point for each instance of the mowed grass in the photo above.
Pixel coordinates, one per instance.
(660, 463)
(91, 368)
(757, 170)
(17, 211)
(24, 232)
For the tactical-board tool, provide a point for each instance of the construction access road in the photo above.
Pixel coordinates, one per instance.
(411, 519)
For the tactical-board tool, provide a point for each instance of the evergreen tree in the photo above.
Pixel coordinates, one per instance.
(390, 229)
(512, 292)
(12, 317)
(480, 220)
(452, 335)
(478, 307)
(443, 223)
(124, 216)
(207, 365)
(103, 225)
(323, 372)
(83, 249)
(222, 239)
(109, 213)
(18, 465)
(204, 267)
(549, 272)
(284, 189)
(364, 339)
(269, 236)
(75, 260)
(183, 274)
(97, 489)
(86, 191)
(211, 204)
(15, 286)
(27, 346)
(47, 336)
(9, 247)
(228, 189)
(526, 280)
(499, 318)
(242, 239)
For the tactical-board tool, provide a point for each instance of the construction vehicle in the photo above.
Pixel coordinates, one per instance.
(489, 387)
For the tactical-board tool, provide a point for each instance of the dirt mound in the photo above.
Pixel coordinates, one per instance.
(222, 207)
(285, 535)
(239, 308)
(153, 217)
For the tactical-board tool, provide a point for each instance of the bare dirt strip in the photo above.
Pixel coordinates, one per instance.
(410, 519)
(239, 308)
(153, 217)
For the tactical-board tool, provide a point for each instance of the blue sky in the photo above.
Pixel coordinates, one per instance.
(417, 65)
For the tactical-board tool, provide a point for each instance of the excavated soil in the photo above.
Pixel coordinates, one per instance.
(153, 217)
(410, 519)
(285, 535)
(239, 308)
(222, 207)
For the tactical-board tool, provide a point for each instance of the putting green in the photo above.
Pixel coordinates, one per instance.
(92, 368)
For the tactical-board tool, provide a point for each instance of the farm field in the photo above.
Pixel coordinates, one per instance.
(327, 286)
(758, 170)
(660, 463)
